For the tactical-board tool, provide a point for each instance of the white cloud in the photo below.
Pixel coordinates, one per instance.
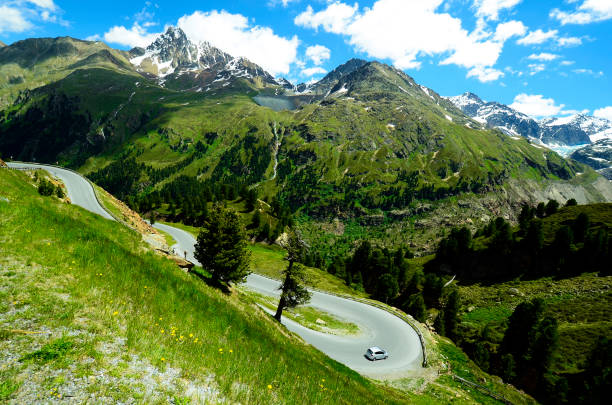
(537, 37)
(605, 112)
(567, 62)
(569, 41)
(285, 3)
(536, 105)
(404, 31)
(135, 36)
(588, 72)
(95, 37)
(46, 4)
(318, 54)
(544, 56)
(588, 12)
(335, 18)
(536, 68)
(491, 8)
(485, 74)
(12, 20)
(313, 71)
(235, 35)
(507, 30)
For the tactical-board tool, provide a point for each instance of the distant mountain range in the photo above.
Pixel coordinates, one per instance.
(366, 141)
(582, 137)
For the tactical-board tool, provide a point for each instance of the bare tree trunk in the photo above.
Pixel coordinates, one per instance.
(279, 310)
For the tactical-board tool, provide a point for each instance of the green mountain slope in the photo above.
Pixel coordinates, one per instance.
(370, 145)
(35, 62)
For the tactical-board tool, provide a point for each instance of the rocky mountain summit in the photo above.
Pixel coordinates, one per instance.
(515, 123)
(182, 64)
(585, 138)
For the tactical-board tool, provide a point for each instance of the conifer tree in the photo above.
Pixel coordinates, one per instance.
(293, 292)
(221, 247)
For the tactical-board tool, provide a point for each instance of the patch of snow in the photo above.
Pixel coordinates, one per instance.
(448, 117)
(426, 91)
(391, 126)
(402, 89)
(342, 90)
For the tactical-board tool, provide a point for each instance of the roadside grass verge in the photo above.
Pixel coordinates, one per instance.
(307, 316)
(67, 270)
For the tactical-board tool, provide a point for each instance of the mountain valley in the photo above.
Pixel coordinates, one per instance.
(454, 210)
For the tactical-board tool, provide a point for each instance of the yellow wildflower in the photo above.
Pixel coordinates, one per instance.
(269, 386)
(231, 351)
(162, 331)
(162, 359)
(116, 312)
(191, 335)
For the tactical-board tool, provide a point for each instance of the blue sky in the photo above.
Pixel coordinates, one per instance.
(543, 57)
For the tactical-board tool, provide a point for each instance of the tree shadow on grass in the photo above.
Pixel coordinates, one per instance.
(211, 282)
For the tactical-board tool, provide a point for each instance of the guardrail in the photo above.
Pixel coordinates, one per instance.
(483, 389)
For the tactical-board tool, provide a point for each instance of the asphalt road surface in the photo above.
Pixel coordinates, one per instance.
(377, 327)
(79, 190)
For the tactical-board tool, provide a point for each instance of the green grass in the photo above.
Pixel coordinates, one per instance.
(580, 304)
(94, 276)
(307, 316)
(268, 260)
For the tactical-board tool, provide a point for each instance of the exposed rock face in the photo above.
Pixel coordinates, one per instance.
(514, 123)
(173, 58)
(597, 155)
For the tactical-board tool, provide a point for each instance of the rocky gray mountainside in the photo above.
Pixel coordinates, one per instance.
(179, 63)
(598, 155)
(596, 128)
(515, 123)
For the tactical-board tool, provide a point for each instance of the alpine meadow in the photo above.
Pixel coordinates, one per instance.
(264, 204)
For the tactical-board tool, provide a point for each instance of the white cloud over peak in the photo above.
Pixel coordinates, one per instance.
(588, 12)
(318, 54)
(335, 18)
(135, 36)
(485, 74)
(235, 35)
(535, 105)
(404, 31)
(544, 56)
(313, 71)
(13, 20)
(491, 8)
(605, 112)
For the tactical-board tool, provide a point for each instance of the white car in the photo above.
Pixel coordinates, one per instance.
(376, 353)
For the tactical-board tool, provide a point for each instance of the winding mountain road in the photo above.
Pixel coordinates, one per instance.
(377, 327)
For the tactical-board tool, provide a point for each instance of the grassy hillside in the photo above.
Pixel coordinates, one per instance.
(123, 315)
(126, 324)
